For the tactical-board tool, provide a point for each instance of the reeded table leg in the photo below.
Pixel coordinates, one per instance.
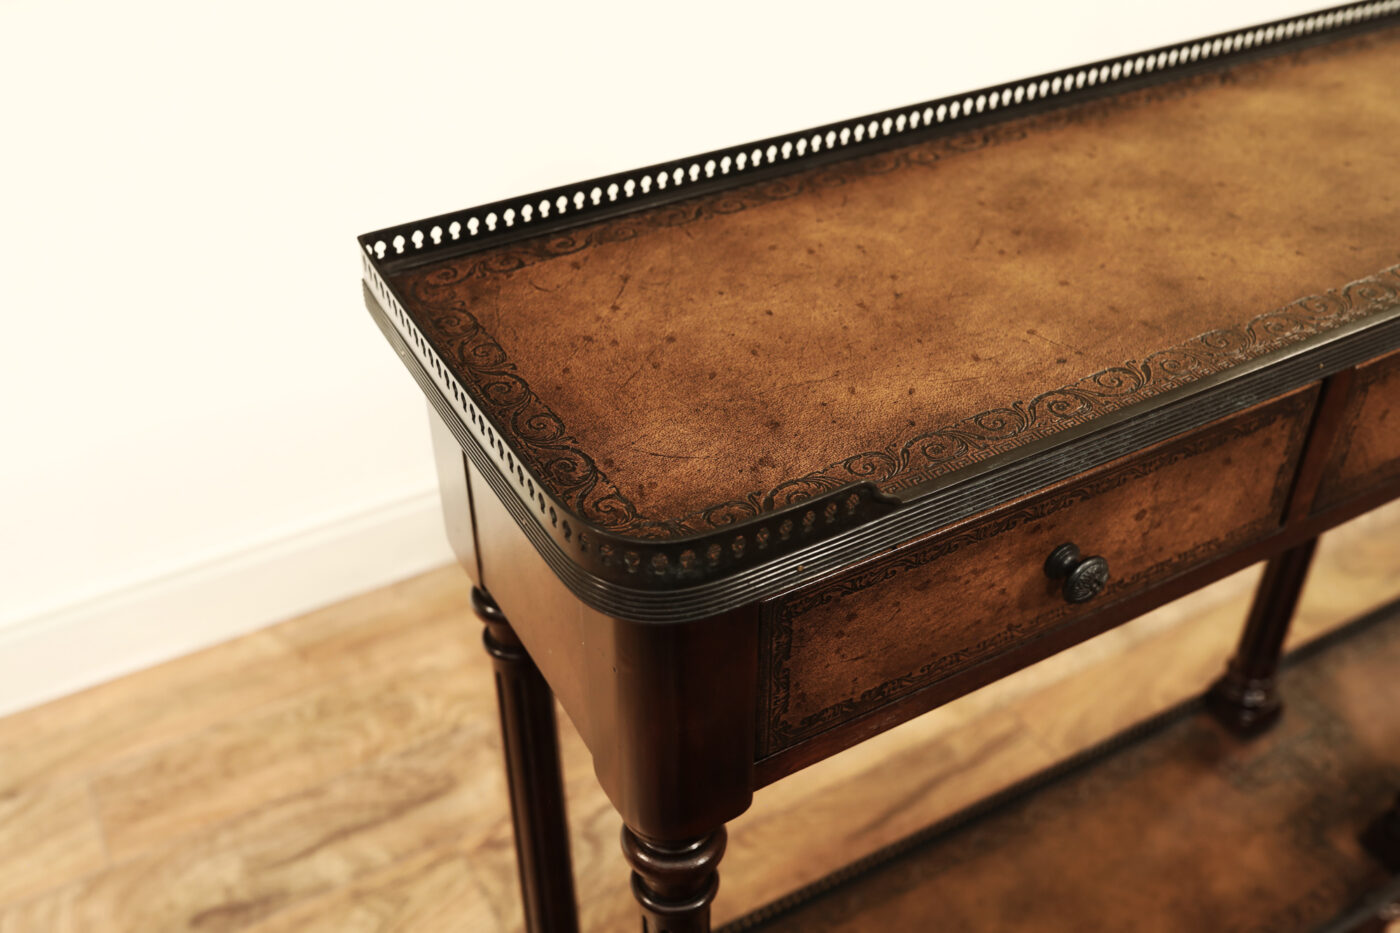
(532, 770)
(1382, 837)
(1246, 699)
(674, 881)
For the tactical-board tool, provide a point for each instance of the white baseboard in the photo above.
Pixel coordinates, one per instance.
(60, 652)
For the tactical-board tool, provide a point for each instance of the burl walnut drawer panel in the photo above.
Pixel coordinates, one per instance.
(867, 636)
(1367, 449)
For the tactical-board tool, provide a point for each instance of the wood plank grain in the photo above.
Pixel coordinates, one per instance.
(284, 851)
(199, 781)
(397, 625)
(433, 892)
(130, 715)
(79, 733)
(48, 833)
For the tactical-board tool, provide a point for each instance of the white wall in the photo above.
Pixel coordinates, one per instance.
(203, 431)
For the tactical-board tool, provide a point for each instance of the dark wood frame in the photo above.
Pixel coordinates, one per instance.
(632, 657)
(1382, 837)
(530, 737)
(675, 791)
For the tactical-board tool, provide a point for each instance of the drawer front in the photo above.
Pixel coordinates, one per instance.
(1367, 450)
(872, 634)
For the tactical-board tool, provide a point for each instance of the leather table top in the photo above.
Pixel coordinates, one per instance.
(898, 316)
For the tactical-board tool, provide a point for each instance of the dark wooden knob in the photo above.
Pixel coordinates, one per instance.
(1085, 577)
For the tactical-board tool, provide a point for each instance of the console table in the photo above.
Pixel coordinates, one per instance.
(753, 455)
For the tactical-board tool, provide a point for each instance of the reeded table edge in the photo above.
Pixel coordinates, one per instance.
(962, 495)
(753, 557)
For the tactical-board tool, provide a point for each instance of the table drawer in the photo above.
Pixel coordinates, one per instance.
(1367, 450)
(869, 635)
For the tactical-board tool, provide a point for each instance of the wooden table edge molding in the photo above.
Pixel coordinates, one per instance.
(704, 655)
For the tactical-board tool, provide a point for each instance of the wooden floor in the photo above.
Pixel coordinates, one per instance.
(341, 771)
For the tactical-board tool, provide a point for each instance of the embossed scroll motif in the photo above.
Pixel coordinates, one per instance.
(537, 433)
(573, 476)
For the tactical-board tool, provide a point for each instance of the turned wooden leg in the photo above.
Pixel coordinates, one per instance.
(1246, 699)
(674, 881)
(1382, 837)
(532, 770)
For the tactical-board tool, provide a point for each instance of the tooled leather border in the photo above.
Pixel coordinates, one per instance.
(776, 732)
(574, 477)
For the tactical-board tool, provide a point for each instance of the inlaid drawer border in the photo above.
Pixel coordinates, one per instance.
(776, 732)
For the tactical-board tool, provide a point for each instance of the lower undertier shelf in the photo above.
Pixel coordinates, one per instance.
(1173, 826)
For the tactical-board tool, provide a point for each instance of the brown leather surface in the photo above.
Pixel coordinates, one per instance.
(717, 349)
(1368, 446)
(1189, 830)
(847, 645)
